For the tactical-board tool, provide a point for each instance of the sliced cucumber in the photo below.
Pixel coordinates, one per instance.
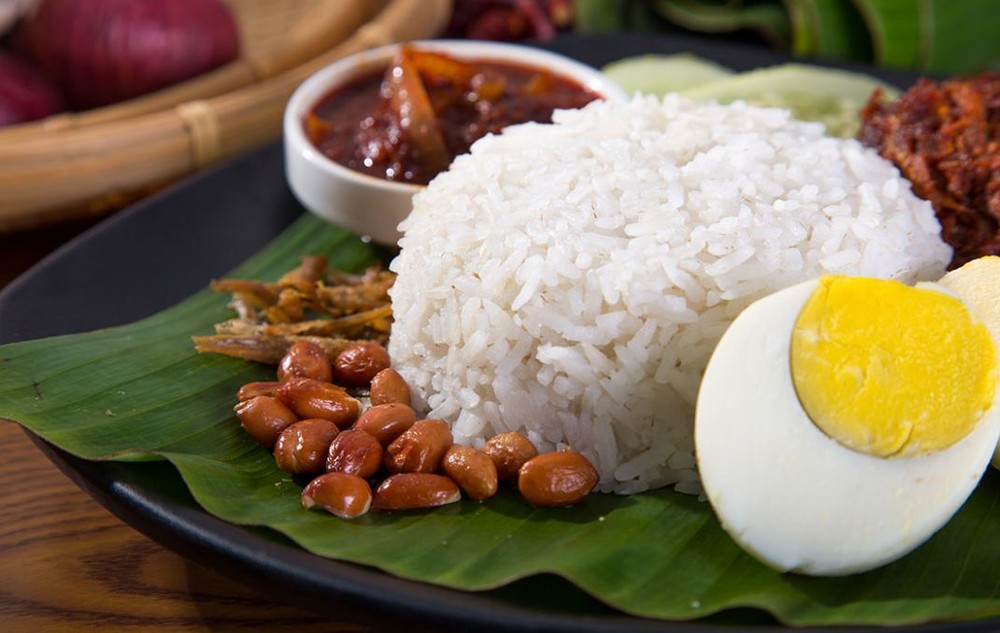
(660, 74)
(813, 93)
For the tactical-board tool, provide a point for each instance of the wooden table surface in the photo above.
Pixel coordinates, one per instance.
(67, 564)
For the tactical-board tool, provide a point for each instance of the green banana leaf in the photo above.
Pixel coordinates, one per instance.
(896, 32)
(141, 392)
(945, 36)
(769, 20)
(939, 36)
(827, 28)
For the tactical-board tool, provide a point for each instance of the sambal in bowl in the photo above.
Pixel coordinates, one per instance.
(366, 133)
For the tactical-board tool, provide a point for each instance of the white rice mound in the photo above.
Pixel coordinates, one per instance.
(570, 281)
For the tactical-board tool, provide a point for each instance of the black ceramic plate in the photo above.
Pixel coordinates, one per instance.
(157, 253)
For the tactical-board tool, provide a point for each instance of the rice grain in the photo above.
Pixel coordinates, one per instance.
(570, 281)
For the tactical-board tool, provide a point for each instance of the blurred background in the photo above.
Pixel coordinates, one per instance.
(99, 108)
(938, 36)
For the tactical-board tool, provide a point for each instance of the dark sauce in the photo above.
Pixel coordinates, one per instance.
(358, 125)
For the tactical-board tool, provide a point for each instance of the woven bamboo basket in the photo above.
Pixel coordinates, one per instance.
(70, 166)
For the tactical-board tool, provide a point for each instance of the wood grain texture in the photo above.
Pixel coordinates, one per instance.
(67, 564)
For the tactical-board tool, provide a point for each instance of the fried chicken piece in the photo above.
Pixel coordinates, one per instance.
(945, 138)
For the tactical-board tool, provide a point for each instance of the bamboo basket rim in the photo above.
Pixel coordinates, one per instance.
(63, 169)
(253, 63)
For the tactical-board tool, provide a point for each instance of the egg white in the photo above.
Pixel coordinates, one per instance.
(976, 284)
(789, 494)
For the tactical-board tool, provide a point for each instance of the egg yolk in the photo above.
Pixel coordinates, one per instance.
(888, 369)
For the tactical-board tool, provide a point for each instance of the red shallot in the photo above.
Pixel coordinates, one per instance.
(25, 93)
(104, 51)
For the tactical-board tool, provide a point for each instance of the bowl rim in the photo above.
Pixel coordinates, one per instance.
(332, 76)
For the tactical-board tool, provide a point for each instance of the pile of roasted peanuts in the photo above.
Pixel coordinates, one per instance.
(317, 429)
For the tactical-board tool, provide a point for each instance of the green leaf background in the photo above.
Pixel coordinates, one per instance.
(938, 36)
(140, 392)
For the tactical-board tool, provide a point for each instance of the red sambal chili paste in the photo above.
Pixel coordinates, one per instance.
(408, 123)
(945, 139)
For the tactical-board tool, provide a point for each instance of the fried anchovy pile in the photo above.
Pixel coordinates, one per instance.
(330, 308)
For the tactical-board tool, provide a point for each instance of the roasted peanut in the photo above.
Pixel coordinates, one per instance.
(412, 491)
(420, 448)
(557, 479)
(254, 389)
(264, 418)
(302, 448)
(305, 359)
(354, 452)
(386, 422)
(358, 364)
(388, 386)
(472, 470)
(509, 451)
(316, 399)
(347, 496)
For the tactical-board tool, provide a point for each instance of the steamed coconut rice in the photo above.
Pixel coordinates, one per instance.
(570, 281)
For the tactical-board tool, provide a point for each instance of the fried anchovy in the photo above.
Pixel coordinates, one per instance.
(332, 309)
(265, 349)
(376, 320)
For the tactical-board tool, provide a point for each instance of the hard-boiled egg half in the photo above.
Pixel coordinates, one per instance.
(843, 421)
(978, 283)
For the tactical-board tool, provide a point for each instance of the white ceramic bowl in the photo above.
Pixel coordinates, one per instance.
(365, 204)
